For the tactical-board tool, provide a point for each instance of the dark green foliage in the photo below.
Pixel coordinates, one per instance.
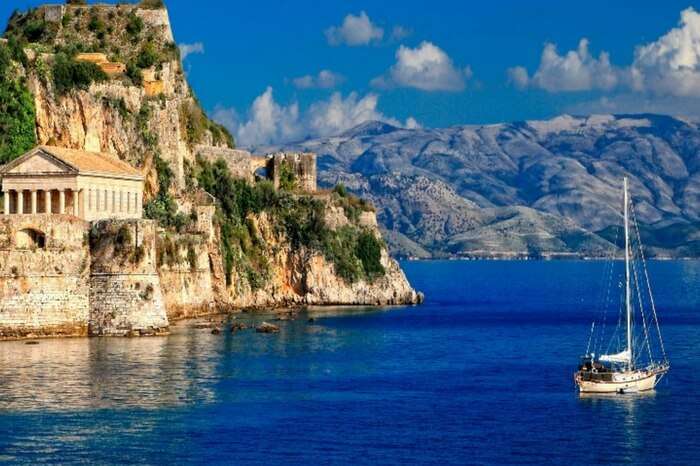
(369, 251)
(340, 190)
(17, 113)
(67, 18)
(288, 179)
(134, 73)
(76, 2)
(96, 24)
(134, 25)
(148, 56)
(69, 74)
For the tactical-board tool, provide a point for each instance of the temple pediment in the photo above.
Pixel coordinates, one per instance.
(39, 163)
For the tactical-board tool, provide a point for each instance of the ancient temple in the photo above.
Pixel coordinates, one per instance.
(88, 185)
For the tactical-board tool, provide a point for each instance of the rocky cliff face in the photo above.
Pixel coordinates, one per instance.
(301, 276)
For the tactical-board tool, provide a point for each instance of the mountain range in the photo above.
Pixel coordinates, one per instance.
(531, 188)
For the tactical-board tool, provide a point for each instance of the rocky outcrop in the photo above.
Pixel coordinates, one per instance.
(305, 277)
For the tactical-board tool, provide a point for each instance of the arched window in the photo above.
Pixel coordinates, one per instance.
(30, 238)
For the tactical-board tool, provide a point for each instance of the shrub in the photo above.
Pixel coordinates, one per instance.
(134, 25)
(69, 74)
(96, 24)
(134, 73)
(287, 177)
(147, 57)
(369, 251)
(340, 190)
(76, 2)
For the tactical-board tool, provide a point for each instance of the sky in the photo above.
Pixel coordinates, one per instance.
(276, 71)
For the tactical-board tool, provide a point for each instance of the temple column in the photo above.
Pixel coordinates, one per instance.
(75, 209)
(62, 201)
(48, 207)
(20, 202)
(6, 197)
(33, 202)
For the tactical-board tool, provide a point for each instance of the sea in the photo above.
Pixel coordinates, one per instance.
(481, 373)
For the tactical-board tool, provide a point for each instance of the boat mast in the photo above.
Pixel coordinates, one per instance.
(628, 300)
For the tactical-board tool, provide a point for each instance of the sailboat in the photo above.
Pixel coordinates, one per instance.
(635, 366)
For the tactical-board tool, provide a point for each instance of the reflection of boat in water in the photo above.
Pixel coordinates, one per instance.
(635, 366)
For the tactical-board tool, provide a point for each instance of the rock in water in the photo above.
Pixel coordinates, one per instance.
(238, 326)
(266, 327)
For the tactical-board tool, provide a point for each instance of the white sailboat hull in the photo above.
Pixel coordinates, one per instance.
(622, 382)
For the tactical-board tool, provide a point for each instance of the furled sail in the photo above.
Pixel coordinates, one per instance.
(623, 356)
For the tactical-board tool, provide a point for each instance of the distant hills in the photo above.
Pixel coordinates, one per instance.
(531, 188)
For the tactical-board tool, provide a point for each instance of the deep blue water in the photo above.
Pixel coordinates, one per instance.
(481, 373)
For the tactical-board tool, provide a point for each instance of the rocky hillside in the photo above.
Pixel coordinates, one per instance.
(109, 78)
(527, 188)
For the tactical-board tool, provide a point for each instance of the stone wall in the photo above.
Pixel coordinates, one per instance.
(125, 291)
(43, 290)
(302, 165)
(238, 161)
(185, 269)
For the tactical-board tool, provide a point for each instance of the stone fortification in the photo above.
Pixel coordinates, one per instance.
(244, 165)
(302, 166)
(237, 161)
(125, 291)
(59, 276)
(44, 274)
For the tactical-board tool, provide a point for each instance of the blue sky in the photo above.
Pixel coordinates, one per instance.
(255, 65)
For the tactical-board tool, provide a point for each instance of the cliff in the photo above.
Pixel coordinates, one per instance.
(109, 78)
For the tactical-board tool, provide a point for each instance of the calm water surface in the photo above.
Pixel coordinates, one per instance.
(482, 373)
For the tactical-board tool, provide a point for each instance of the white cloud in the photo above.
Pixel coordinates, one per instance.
(190, 49)
(268, 122)
(576, 70)
(667, 67)
(355, 30)
(671, 65)
(426, 67)
(325, 79)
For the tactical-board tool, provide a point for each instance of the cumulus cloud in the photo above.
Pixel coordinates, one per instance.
(576, 70)
(190, 49)
(355, 31)
(325, 79)
(426, 67)
(671, 64)
(268, 122)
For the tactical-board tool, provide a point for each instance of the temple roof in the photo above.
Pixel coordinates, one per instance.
(73, 161)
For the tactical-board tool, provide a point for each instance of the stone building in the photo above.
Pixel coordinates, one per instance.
(301, 165)
(87, 185)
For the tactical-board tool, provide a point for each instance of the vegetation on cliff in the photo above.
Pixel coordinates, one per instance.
(17, 113)
(299, 219)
